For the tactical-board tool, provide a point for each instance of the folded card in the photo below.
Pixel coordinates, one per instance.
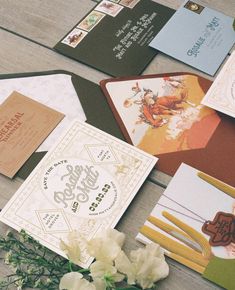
(198, 36)
(221, 95)
(84, 183)
(24, 124)
(194, 221)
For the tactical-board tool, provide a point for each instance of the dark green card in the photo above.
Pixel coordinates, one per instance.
(114, 36)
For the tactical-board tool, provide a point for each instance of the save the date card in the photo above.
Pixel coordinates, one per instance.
(198, 36)
(194, 221)
(24, 124)
(84, 183)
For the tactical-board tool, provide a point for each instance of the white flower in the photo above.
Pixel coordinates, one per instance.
(99, 284)
(105, 271)
(150, 265)
(75, 281)
(116, 236)
(107, 247)
(72, 248)
(124, 265)
(145, 267)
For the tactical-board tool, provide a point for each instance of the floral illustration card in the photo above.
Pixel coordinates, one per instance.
(162, 114)
(84, 183)
(24, 124)
(197, 35)
(221, 95)
(194, 221)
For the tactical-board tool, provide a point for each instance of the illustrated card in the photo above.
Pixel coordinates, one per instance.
(194, 221)
(198, 36)
(162, 114)
(24, 124)
(221, 95)
(84, 183)
(114, 36)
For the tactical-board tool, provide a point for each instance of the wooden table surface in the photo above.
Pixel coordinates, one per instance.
(28, 31)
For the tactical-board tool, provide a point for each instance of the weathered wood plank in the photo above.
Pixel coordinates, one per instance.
(19, 55)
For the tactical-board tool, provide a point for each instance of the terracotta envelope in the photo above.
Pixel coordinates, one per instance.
(163, 115)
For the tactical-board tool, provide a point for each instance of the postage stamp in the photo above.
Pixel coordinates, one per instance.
(109, 8)
(91, 20)
(129, 3)
(74, 37)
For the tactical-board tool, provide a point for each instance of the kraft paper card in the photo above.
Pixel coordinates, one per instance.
(221, 95)
(84, 100)
(55, 91)
(24, 124)
(114, 37)
(163, 115)
(194, 221)
(198, 36)
(84, 183)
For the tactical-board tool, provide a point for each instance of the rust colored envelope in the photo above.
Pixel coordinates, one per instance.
(162, 114)
(24, 124)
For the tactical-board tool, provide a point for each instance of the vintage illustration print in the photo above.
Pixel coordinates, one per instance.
(164, 114)
(74, 37)
(91, 20)
(109, 8)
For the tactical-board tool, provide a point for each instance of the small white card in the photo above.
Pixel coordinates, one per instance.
(221, 95)
(84, 183)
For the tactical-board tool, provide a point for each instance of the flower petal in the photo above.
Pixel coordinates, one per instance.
(75, 281)
(116, 236)
(124, 265)
(70, 281)
(72, 248)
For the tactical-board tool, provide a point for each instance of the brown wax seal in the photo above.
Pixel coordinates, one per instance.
(221, 230)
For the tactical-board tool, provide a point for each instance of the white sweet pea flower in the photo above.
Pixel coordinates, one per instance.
(99, 284)
(150, 265)
(145, 266)
(107, 247)
(124, 265)
(105, 271)
(116, 236)
(75, 281)
(72, 248)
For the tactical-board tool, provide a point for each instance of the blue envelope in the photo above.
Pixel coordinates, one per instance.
(198, 36)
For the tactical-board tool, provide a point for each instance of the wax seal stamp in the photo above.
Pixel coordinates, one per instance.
(190, 5)
(221, 230)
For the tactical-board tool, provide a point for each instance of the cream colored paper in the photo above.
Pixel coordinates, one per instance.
(85, 182)
(221, 95)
